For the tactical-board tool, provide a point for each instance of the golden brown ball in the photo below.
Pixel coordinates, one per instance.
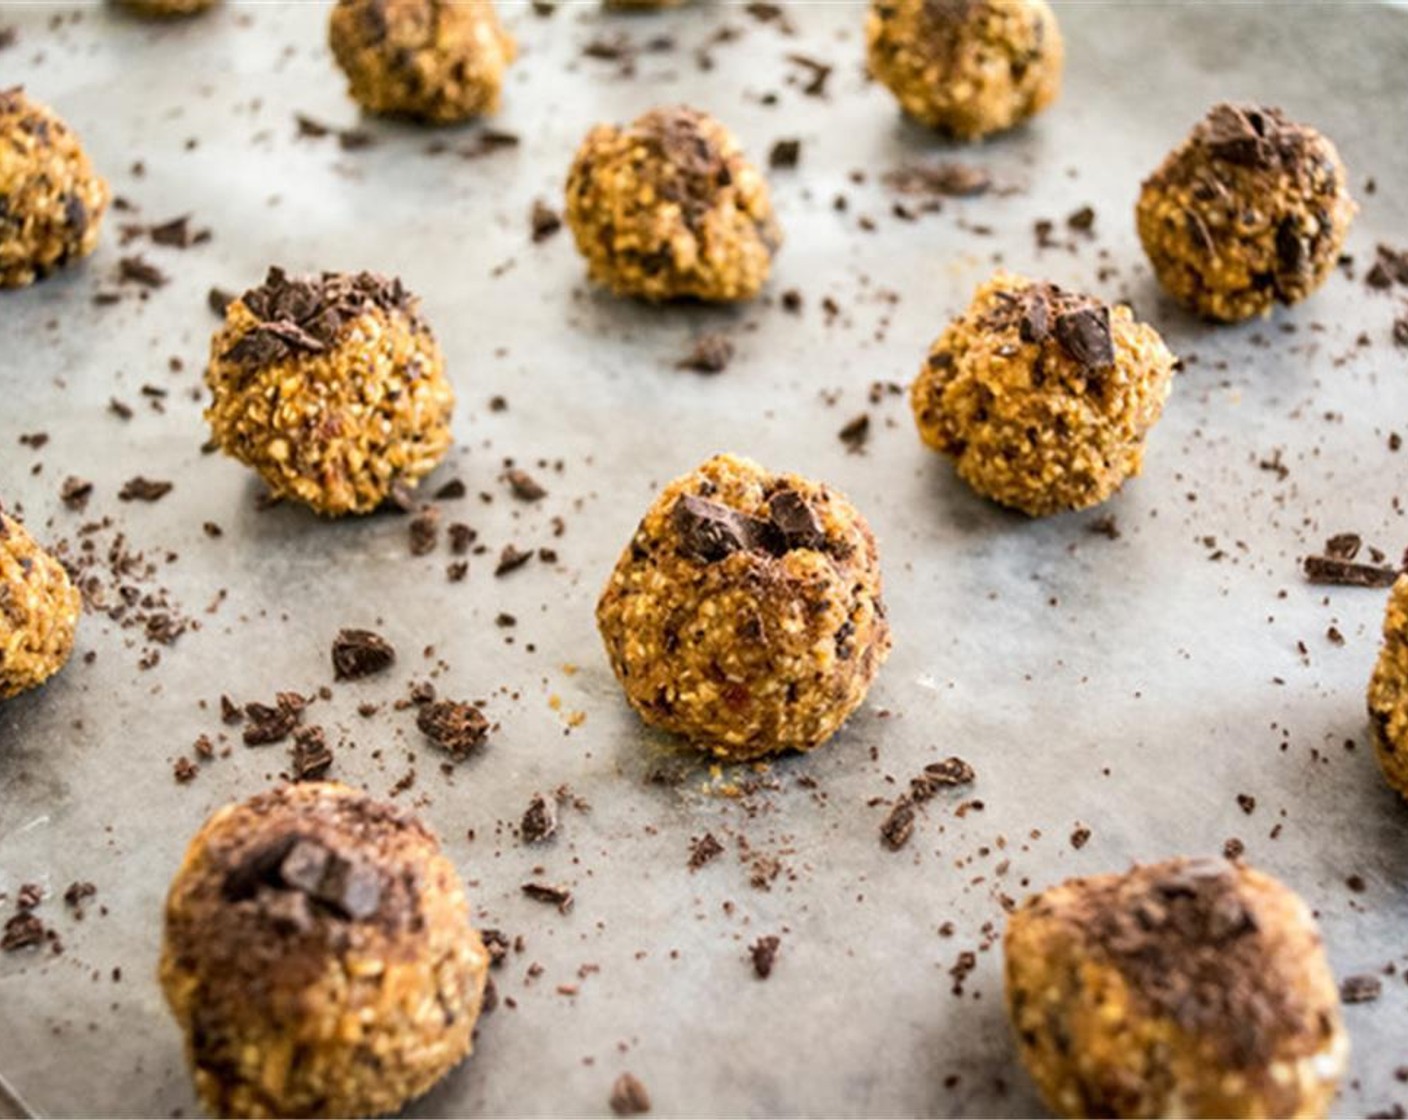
(51, 200)
(167, 9)
(332, 387)
(1249, 211)
(1388, 692)
(669, 208)
(1043, 397)
(746, 613)
(967, 67)
(1194, 988)
(39, 610)
(318, 956)
(437, 61)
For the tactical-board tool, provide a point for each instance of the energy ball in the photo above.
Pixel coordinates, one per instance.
(1194, 988)
(669, 208)
(167, 9)
(966, 67)
(51, 199)
(331, 387)
(437, 61)
(746, 613)
(318, 956)
(1042, 396)
(38, 611)
(1249, 211)
(1388, 692)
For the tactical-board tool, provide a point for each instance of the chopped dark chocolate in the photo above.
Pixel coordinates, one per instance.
(629, 1096)
(141, 489)
(898, 827)
(764, 954)
(785, 154)
(510, 560)
(523, 485)
(423, 531)
(1360, 989)
(557, 896)
(543, 220)
(855, 433)
(1343, 573)
(21, 932)
(453, 726)
(704, 850)
(360, 653)
(710, 353)
(539, 820)
(312, 757)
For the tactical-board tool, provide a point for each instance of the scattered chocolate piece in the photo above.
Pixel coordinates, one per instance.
(218, 299)
(557, 896)
(1082, 220)
(424, 531)
(949, 773)
(29, 896)
(898, 827)
(265, 725)
(792, 301)
(1342, 573)
(955, 180)
(22, 931)
(523, 485)
(120, 409)
(453, 726)
(184, 770)
(462, 537)
(312, 757)
(764, 952)
(1344, 546)
(76, 895)
(360, 653)
(1360, 989)
(1106, 527)
(543, 220)
(820, 74)
(141, 489)
(75, 492)
(785, 154)
(451, 491)
(629, 1096)
(511, 559)
(137, 271)
(1247, 803)
(704, 850)
(856, 433)
(539, 820)
(496, 944)
(1080, 836)
(710, 353)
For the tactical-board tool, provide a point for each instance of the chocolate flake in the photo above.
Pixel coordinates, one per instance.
(1360, 989)
(453, 726)
(898, 827)
(360, 653)
(75, 492)
(764, 953)
(312, 757)
(629, 1097)
(523, 485)
(855, 434)
(1343, 573)
(557, 896)
(704, 850)
(539, 820)
(424, 531)
(141, 489)
(136, 270)
(955, 180)
(510, 560)
(22, 931)
(543, 220)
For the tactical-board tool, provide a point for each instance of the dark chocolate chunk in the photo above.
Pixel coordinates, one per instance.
(75, 493)
(708, 531)
(141, 489)
(704, 850)
(265, 725)
(510, 560)
(951, 772)
(898, 827)
(629, 1096)
(855, 433)
(312, 757)
(543, 220)
(1080, 836)
(1035, 322)
(360, 653)
(218, 299)
(523, 485)
(557, 896)
(796, 520)
(453, 726)
(1343, 573)
(1085, 335)
(1344, 546)
(424, 531)
(1360, 989)
(764, 954)
(539, 820)
(785, 154)
(710, 353)
(22, 931)
(137, 271)
(957, 180)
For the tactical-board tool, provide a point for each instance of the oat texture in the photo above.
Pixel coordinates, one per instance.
(39, 610)
(1388, 692)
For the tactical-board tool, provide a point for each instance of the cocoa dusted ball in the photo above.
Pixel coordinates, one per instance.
(51, 200)
(332, 387)
(1043, 397)
(318, 956)
(746, 613)
(966, 67)
(437, 61)
(669, 208)
(39, 610)
(1250, 211)
(1193, 988)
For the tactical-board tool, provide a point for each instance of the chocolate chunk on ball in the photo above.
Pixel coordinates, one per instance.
(166, 9)
(332, 387)
(1043, 397)
(1249, 211)
(669, 208)
(436, 61)
(966, 67)
(746, 613)
(38, 611)
(318, 956)
(1388, 692)
(51, 200)
(1193, 988)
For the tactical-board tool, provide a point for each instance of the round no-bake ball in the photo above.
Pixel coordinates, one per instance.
(1249, 211)
(51, 199)
(1193, 988)
(167, 9)
(331, 387)
(432, 60)
(1043, 397)
(746, 613)
(1388, 692)
(669, 208)
(966, 67)
(38, 611)
(319, 957)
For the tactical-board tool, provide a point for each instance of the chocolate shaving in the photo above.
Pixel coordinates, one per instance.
(1344, 573)
(557, 896)
(629, 1096)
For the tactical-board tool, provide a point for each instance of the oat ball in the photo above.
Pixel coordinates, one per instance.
(437, 61)
(166, 9)
(669, 208)
(38, 611)
(746, 613)
(1388, 692)
(332, 387)
(318, 956)
(1042, 396)
(1249, 211)
(1194, 988)
(51, 199)
(966, 67)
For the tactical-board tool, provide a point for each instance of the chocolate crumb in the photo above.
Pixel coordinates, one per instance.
(898, 827)
(453, 726)
(75, 492)
(785, 154)
(543, 220)
(424, 531)
(629, 1096)
(557, 896)
(360, 653)
(312, 757)
(1080, 836)
(764, 953)
(21, 931)
(1247, 803)
(184, 770)
(136, 270)
(539, 820)
(523, 485)
(1360, 989)
(141, 489)
(710, 353)
(856, 433)
(511, 559)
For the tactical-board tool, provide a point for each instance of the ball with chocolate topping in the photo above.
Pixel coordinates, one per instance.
(318, 956)
(1191, 988)
(746, 613)
(966, 67)
(1388, 692)
(437, 61)
(1249, 211)
(51, 199)
(38, 611)
(669, 208)
(1043, 397)
(332, 387)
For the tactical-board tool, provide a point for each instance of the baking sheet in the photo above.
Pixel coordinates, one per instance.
(1132, 686)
